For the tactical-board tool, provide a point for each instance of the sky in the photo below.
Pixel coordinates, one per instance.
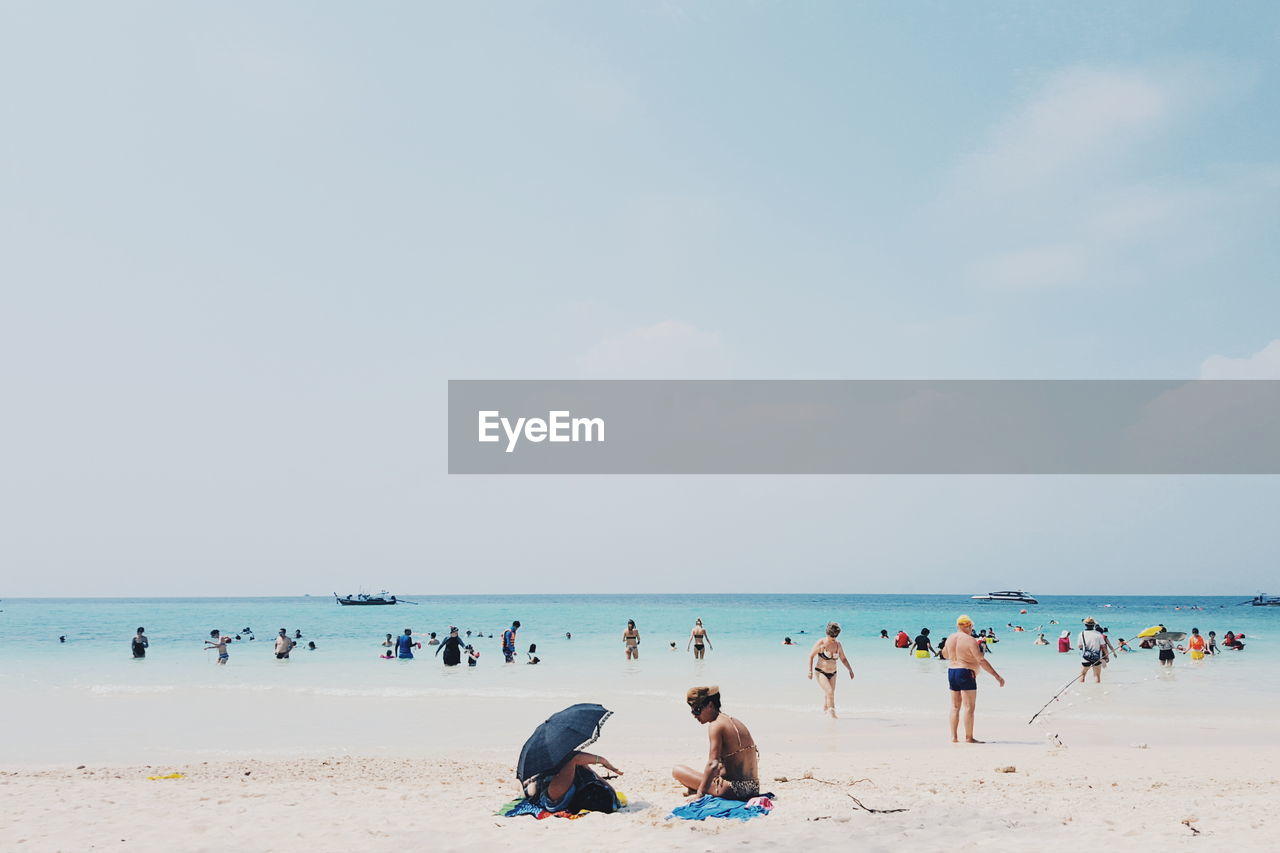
(244, 246)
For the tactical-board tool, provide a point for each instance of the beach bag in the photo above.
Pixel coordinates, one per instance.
(592, 793)
(1087, 654)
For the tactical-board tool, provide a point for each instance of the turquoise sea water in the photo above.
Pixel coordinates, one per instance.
(98, 630)
(87, 696)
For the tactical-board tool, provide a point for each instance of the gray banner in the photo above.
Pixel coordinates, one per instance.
(864, 427)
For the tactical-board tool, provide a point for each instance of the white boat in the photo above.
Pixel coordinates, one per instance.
(1006, 595)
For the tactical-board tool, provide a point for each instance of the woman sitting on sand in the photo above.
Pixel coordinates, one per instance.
(733, 763)
(828, 651)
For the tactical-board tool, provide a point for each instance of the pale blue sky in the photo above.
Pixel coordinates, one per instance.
(244, 245)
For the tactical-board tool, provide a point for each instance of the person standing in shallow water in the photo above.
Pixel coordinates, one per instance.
(699, 639)
(1165, 645)
(966, 659)
(452, 648)
(405, 645)
(631, 640)
(828, 651)
(219, 641)
(1093, 651)
(922, 645)
(509, 642)
(139, 643)
(284, 645)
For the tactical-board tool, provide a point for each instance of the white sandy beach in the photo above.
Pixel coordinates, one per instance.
(1058, 798)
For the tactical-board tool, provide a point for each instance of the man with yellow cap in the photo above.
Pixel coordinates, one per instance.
(966, 658)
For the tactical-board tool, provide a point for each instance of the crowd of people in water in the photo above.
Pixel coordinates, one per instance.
(826, 655)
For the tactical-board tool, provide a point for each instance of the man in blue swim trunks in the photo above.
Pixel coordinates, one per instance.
(966, 658)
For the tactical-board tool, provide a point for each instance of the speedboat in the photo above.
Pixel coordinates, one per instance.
(1006, 595)
(1264, 600)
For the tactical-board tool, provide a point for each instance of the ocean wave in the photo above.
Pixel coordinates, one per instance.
(107, 689)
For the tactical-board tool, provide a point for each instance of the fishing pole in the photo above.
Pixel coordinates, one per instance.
(1073, 680)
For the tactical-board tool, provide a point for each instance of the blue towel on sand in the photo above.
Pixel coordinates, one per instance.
(522, 807)
(709, 806)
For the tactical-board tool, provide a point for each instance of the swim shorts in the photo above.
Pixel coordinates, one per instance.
(1088, 663)
(962, 679)
(1166, 654)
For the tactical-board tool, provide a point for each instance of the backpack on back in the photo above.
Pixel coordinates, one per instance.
(592, 793)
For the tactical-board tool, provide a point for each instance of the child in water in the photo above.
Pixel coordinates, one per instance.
(533, 654)
(219, 641)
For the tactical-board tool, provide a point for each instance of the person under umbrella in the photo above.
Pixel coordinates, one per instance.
(550, 758)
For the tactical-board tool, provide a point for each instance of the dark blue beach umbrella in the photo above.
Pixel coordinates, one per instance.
(564, 733)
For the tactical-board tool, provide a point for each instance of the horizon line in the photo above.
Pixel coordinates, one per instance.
(686, 594)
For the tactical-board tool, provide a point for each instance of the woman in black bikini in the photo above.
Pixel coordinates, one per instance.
(828, 651)
(631, 639)
(697, 637)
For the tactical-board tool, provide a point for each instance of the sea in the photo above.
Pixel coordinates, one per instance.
(74, 694)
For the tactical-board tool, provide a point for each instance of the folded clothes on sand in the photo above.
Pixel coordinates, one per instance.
(709, 806)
